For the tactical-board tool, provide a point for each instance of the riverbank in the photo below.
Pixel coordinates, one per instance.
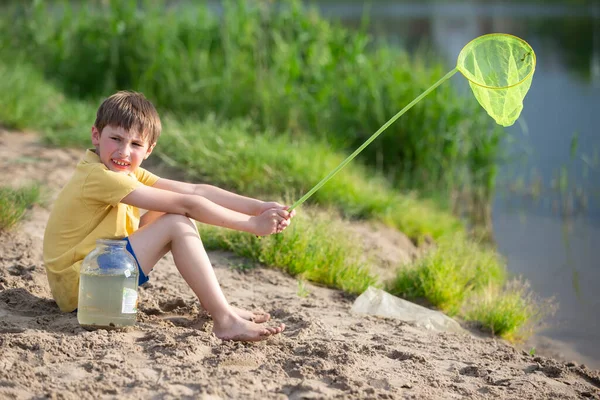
(326, 351)
(241, 112)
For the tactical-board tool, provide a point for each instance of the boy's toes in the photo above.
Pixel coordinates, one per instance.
(265, 332)
(276, 329)
(259, 318)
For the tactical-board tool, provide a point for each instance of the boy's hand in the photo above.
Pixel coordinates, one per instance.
(267, 205)
(273, 220)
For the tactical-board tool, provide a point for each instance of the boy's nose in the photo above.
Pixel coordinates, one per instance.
(124, 151)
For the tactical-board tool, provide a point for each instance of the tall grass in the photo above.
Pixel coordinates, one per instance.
(283, 66)
(468, 279)
(15, 202)
(28, 101)
(450, 273)
(510, 311)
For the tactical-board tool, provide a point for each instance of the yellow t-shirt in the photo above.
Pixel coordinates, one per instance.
(88, 208)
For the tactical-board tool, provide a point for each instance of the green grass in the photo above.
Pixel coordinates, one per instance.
(29, 101)
(316, 247)
(511, 313)
(14, 203)
(302, 291)
(449, 273)
(467, 279)
(286, 68)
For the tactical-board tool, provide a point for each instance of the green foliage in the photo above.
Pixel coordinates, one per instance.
(27, 100)
(511, 313)
(316, 247)
(15, 202)
(302, 289)
(449, 273)
(466, 279)
(284, 67)
(532, 351)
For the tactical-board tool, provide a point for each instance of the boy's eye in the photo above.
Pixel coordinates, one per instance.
(137, 144)
(115, 138)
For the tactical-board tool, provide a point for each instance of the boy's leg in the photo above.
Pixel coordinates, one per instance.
(179, 235)
(258, 317)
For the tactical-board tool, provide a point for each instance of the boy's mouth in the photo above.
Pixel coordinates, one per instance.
(120, 164)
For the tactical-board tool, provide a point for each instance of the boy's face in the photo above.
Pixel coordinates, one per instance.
(120, 150)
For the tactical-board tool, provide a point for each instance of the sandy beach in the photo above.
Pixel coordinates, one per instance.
(326, 351)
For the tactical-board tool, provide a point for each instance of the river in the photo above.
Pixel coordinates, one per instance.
(546, 212)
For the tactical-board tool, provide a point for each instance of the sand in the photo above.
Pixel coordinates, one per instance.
(325, 352)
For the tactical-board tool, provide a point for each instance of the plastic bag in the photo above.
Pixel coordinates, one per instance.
(378, 302)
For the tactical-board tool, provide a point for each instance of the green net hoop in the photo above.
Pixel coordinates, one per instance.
(500, 69)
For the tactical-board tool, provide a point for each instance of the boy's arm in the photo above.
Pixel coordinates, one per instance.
(204, 210)
(235, 202)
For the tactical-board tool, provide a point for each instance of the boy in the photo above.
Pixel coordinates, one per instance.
(102, 200)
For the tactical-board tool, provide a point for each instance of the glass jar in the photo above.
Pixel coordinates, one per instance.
(108, 287)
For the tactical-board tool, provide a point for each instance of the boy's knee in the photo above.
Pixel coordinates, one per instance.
(180, 223)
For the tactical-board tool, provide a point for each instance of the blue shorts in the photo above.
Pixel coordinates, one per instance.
(106, 260)
(142, 278)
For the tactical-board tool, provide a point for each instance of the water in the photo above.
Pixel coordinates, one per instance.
(107, 301)
(548, 235)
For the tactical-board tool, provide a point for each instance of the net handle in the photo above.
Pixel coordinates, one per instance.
(373, 137)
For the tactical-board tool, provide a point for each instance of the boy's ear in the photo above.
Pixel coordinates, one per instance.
(95, 136)
(149, 151)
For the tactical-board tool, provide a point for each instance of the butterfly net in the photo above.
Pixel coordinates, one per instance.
(499, 68)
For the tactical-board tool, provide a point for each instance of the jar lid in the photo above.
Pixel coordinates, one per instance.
(112, 242)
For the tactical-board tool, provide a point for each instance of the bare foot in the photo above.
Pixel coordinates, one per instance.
(237, 328)
(258, 317)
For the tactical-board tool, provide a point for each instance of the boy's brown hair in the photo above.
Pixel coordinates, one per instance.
(130, 110)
